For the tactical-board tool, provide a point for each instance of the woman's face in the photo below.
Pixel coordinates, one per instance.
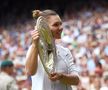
(55, 25)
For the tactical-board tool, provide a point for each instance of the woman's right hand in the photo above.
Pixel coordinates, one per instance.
(35, 36)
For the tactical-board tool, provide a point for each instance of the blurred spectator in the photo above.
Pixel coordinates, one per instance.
(7, 81)
(105, 86)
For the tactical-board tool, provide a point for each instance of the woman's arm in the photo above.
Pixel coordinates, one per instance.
(31, 60)
(32, 54)
(69, 79)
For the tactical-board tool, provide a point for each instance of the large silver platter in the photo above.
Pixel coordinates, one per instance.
(47, 49)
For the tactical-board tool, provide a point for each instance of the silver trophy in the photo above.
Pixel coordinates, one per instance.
(47, 48)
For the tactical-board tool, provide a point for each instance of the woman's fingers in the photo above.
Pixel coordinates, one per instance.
(35, 35)
(54, 76)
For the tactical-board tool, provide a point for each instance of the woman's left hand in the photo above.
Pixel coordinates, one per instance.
(55, 76)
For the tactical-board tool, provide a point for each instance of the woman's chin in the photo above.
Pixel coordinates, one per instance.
(58, 37)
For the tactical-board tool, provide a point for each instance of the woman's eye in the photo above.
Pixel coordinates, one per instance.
(56, 24)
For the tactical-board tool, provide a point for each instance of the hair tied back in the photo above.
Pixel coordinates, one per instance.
(36, 13)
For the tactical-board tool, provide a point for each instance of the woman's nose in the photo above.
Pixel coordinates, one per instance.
(61, 27)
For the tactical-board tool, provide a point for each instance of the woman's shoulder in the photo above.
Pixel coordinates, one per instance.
(62, 50)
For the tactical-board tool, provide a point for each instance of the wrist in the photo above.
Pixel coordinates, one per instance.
(60, 76)
(34, 45)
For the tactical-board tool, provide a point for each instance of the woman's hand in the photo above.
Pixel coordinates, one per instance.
(55, 76)
(70, 79)
(35, 36)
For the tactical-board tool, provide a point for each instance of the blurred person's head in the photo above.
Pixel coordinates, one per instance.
(106, 80)
(80, 87)
(92, 76)
(105, 57)
(53, 20)
(98, 20)
(83, 59)
(7, 67)
(99, 69)
(90, 37)
(5, 33)
(6, 55)
(84, 73)
(97, 83)
(105, 77)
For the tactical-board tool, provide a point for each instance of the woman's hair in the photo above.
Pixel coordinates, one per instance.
(45, 13)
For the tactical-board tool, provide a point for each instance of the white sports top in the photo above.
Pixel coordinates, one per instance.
(64, 64)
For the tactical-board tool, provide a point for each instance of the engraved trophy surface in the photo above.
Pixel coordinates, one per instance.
(47, 49)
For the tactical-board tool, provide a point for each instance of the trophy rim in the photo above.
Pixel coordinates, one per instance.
(43, 28)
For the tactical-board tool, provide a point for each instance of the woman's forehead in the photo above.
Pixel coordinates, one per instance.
(54, 18)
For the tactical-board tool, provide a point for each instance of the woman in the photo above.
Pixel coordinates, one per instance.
(66, 74)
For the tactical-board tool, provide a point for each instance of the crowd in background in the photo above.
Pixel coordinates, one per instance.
(85, 33)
